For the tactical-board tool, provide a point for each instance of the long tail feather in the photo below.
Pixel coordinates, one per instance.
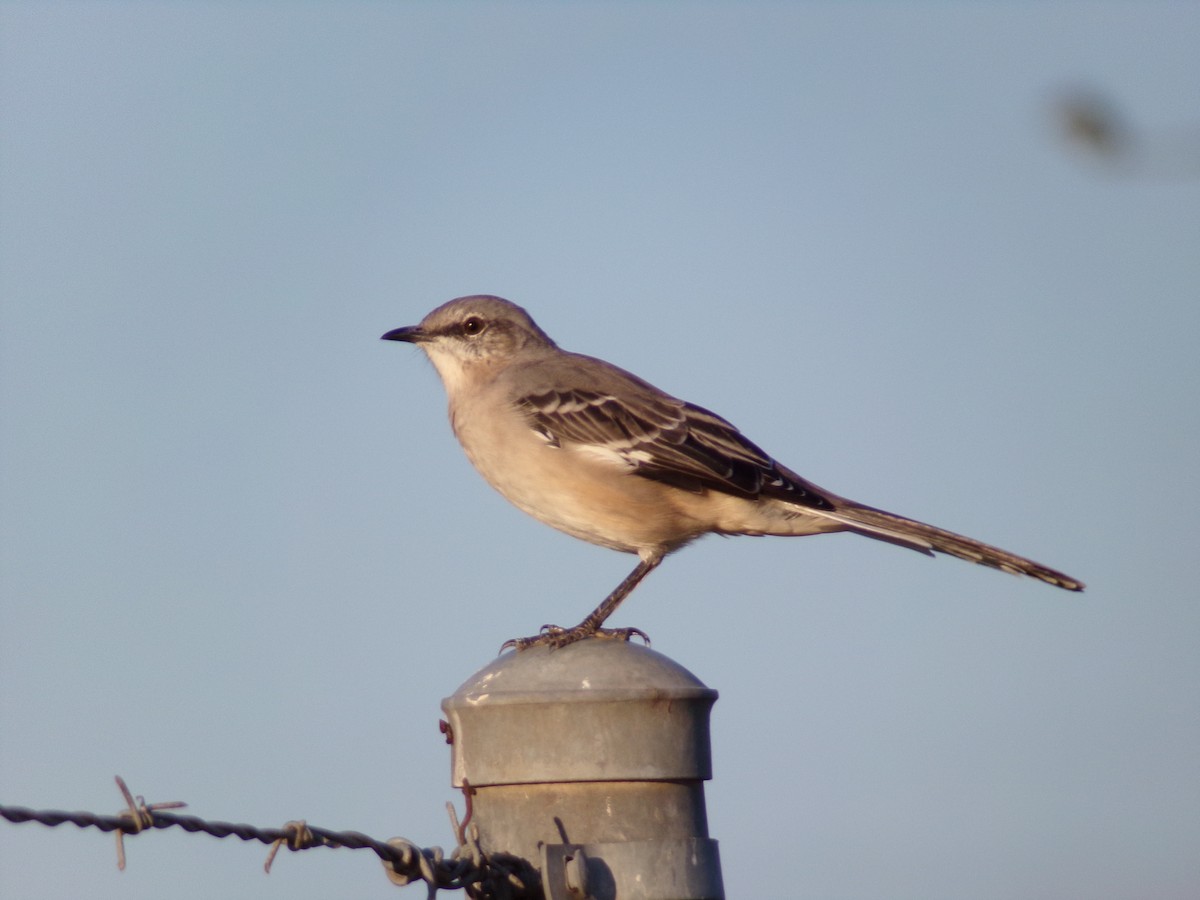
(886, 526)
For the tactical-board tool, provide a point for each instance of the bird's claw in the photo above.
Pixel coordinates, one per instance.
(556, 637)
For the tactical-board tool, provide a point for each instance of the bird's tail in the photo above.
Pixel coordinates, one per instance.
(886, 526)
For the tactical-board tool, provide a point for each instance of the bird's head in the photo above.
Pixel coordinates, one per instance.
(473, 332)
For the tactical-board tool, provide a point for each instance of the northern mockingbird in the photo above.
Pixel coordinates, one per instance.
(606, 457)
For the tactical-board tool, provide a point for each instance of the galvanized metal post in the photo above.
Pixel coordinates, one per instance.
(589, 761)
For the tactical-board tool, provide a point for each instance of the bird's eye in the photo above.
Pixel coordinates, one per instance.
(473, 326)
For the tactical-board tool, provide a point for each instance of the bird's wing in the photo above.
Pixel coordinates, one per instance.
(659, 437)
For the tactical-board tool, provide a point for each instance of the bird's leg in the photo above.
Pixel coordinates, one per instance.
(591, 625)
(556, 636)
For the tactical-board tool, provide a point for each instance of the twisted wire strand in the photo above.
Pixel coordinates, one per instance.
(501, 876)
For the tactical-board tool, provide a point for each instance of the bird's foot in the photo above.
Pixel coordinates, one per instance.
(555, 636)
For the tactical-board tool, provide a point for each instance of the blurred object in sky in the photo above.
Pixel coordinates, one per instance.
(1092, 122)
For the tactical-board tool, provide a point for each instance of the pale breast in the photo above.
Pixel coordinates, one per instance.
(593, 497)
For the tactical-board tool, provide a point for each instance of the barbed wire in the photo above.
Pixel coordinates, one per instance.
(498, 876)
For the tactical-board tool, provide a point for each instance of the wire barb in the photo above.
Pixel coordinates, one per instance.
(139, 815)
(296, 836)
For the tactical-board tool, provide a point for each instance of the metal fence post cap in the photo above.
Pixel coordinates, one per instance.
(596, 710)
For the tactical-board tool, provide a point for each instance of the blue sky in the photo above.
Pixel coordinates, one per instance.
(243, 559)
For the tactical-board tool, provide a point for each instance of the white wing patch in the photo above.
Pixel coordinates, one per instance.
(608, 455)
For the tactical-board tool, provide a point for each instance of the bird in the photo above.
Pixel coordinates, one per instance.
(606, 457)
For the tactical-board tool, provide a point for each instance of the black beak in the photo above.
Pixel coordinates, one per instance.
(412, 334)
